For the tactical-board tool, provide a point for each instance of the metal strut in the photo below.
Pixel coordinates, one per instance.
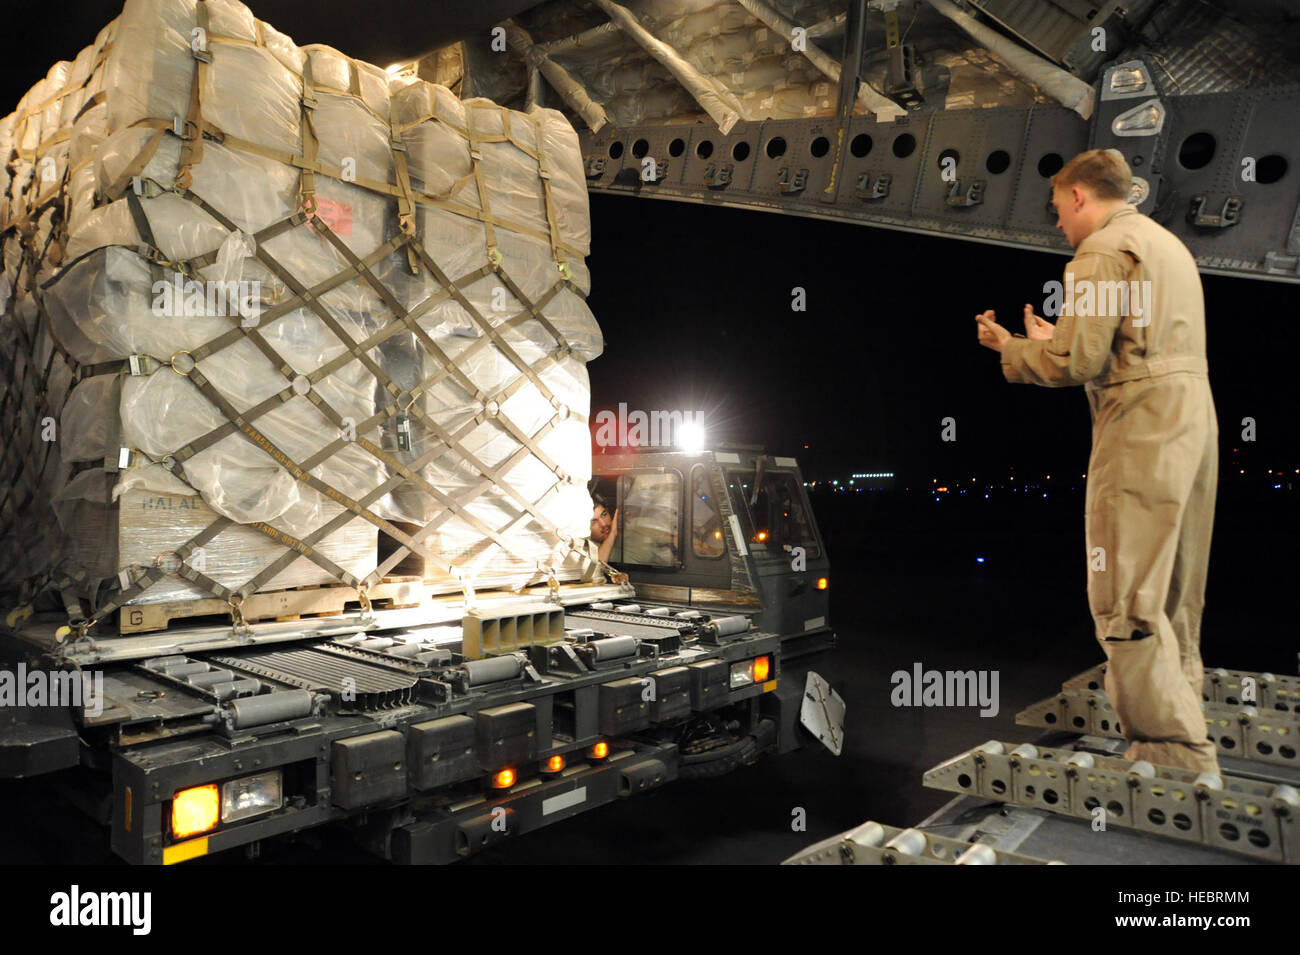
(1223, 812)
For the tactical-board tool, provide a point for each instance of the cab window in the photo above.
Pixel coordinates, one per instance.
(706, 519)
(651, 514)
(777, 517)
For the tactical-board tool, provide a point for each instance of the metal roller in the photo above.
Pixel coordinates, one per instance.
(376, 643)
(270, 708)
(726, 626)
(978, 854)
(909, 842)
(225, 691)
(868, 835)
(162, 663)
(492, 670)
(212, 677)
(613, 648)
(1287, 794)
(185, 669)
(406, 650)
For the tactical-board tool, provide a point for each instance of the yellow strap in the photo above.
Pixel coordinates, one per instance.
(192, 144)
(476, 161)
(310, 143)
(553, 226)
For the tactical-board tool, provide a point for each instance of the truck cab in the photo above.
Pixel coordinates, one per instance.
(725, 531)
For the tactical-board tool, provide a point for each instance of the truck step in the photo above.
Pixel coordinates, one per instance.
(1246, 732)
(1231, 813)
(1270, 691)
(874, 843)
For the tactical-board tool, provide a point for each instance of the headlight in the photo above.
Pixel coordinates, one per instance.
(251, 796)
(742, 674)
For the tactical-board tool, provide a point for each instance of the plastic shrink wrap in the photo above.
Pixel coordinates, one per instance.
(272, 319)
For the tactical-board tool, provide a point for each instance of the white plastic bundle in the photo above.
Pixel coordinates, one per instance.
(463, 408)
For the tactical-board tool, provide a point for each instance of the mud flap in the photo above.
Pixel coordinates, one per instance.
(822, 713)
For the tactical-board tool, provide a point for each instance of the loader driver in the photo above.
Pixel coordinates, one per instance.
(1139, 351)
(604, 528)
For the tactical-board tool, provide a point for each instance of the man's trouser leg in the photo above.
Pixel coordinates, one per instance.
(1149, 439)
(1186, 600)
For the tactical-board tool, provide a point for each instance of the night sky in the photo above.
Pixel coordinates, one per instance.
(696, 307)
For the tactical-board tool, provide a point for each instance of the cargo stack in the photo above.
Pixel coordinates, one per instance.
(274, 319)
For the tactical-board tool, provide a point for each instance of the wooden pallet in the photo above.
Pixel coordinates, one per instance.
(294, 604)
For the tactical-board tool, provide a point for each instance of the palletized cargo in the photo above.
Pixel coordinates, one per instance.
(274, 318)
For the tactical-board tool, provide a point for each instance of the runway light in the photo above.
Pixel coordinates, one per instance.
(504, 779)
(195, 810)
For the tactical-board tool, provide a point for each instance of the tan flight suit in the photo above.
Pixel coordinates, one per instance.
(1152, 475)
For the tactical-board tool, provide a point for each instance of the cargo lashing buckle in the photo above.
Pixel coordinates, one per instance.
(77, 627)
(238, 625)
(367, 608)
(146, 188)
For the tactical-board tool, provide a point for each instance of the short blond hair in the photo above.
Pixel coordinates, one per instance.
(1102, 171)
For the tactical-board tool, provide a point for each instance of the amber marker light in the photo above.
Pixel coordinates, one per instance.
(504, 779)
(762, 667)
(195, 810)
(600, 751)
(761, 536)
(822, 583)
(555, 764)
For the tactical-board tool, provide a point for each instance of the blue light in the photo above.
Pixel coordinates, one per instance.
(979, 560)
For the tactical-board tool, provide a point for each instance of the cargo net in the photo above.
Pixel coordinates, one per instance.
(273, 318)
